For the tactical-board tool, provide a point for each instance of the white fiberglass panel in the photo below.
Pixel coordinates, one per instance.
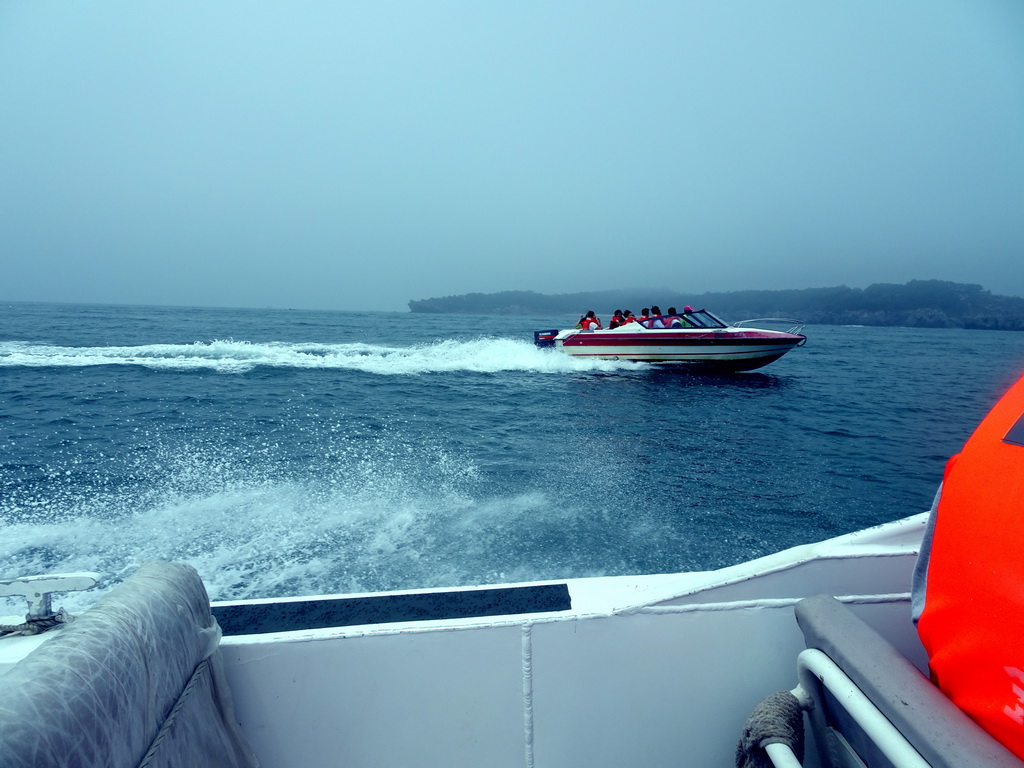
(441, 698)
(656, 690)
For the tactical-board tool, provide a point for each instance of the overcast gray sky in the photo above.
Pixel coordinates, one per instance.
(355, 155)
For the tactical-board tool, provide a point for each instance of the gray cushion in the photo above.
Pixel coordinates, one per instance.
(136, 677)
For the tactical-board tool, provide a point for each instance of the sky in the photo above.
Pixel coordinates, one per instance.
(356, 155)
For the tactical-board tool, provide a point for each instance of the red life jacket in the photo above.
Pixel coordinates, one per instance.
(629, 319)
(972, 624)
(591, 322)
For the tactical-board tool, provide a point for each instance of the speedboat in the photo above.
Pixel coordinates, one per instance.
(646, 671)
(695, 339)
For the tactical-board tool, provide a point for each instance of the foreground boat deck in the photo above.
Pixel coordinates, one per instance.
(642, 671)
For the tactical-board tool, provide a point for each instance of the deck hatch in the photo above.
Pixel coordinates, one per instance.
(262, 618)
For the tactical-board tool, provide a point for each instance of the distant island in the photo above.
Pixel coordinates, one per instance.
(917, 304)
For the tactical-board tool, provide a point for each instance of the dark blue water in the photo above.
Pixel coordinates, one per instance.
(295, 452)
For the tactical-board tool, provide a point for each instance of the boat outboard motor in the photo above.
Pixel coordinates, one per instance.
(545, 338)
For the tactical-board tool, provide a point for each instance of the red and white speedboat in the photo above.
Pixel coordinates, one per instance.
(695, 339)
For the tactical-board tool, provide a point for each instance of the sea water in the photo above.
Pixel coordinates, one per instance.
(296, 452)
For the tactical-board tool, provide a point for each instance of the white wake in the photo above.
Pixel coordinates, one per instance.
(484, 355)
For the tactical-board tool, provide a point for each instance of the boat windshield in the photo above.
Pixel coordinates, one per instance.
(697, 318)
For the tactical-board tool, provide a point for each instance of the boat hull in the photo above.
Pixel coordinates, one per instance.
(730, 349)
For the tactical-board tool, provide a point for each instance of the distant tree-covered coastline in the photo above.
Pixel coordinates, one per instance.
(917, 304)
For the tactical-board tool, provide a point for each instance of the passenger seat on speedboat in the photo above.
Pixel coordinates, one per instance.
(136, 680)
(867, 705)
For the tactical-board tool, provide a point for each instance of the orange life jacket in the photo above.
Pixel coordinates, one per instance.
(972, 623)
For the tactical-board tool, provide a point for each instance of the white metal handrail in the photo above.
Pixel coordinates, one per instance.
(815, 671)
(795, 325)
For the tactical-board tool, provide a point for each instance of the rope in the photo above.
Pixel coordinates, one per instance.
(197, 675)
(778, 719)
(37, 626)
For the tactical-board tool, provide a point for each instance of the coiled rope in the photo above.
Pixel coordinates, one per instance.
(37, 626)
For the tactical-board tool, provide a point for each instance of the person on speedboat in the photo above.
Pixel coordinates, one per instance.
(591, 322)
(672, 319)
(655, 317)
(684, 317)
(617, 319)
(627, 317)
(645, 315)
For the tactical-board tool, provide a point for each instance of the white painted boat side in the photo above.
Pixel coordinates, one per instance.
(642, 671)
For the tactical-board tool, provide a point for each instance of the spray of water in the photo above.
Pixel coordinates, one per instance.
(368, 515)
(365, 512)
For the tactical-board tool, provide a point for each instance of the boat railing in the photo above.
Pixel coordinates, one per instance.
(866, 703)
(793, 326)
